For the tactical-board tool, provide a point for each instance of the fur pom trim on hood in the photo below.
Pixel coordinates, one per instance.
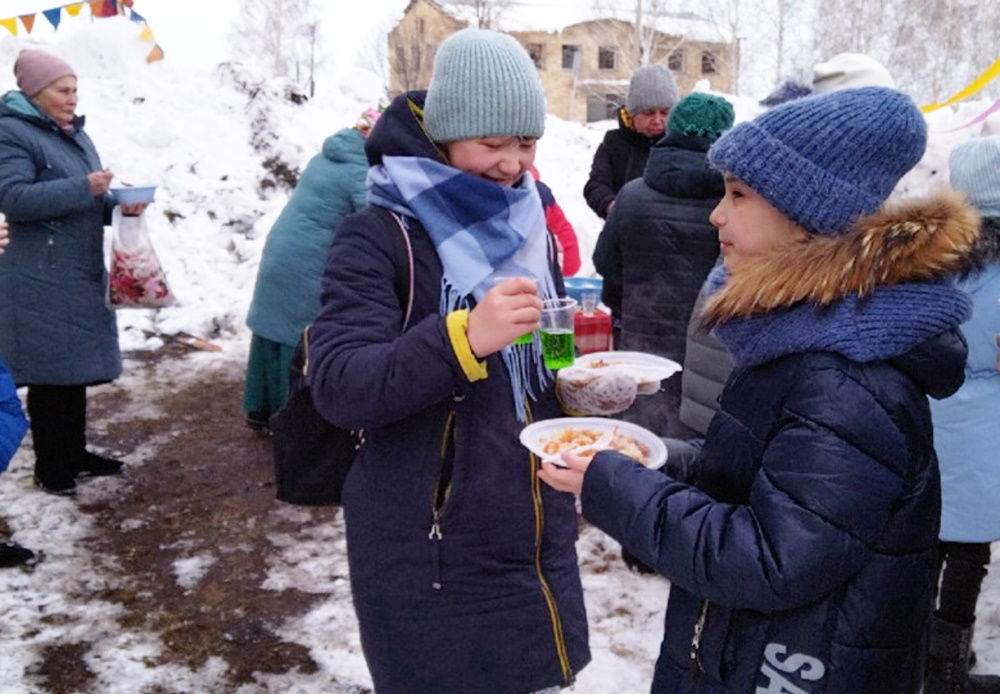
(914, 241)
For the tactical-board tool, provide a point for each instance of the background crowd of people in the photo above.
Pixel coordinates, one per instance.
(823, 526)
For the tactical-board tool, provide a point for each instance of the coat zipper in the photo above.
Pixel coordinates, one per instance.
(550, 601)
(699, 628)
(440, 497)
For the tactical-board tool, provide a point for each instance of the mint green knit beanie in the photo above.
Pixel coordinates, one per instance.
(484, 84)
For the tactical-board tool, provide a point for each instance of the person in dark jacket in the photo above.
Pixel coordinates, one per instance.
(57, 334)
(802, 555)
(287, 290)
(621, 156)
(658, 246)
(463, 568)
(966, 440)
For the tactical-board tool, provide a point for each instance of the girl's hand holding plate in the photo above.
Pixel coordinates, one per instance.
(569, 478)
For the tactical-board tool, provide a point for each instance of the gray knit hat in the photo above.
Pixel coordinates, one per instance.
(652, 86)
(484, 84)
(975, 170)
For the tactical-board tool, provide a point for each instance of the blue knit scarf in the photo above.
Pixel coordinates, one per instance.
(888, 323)
(480, 231)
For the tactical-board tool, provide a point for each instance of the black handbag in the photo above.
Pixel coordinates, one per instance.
(312, 456)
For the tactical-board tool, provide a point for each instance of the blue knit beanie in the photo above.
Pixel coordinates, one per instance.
(825, 160)
(484, 84)
(975, 170)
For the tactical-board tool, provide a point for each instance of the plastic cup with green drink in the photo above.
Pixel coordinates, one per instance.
(558, 315)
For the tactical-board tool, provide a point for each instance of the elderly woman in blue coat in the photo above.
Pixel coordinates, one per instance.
(56, 333)
(967, 439)
(286, 295)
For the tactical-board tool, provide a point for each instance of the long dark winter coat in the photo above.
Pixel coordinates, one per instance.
(55, 328)
(802, 557)
(654, 252)
(620, 158)
(463, 569)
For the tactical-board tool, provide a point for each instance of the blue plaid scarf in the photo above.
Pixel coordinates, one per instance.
(481, 231)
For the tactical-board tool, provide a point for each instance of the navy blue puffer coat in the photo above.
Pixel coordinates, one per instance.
(55, 328)
(802, 555)
(463, 568)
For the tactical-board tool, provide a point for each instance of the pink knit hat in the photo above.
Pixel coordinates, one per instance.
(35, 70)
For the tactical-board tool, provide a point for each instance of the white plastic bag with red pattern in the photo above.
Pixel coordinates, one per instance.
(135, 276)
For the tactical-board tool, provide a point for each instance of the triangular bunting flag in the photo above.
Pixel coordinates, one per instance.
(146, 34)
(103, 8)
(136, 17)
(54, 16)
(10, 25)
(28, 20)
(73, 9)
(155, 54)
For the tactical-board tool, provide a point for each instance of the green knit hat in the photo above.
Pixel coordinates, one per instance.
(484, 84)
(702, 115)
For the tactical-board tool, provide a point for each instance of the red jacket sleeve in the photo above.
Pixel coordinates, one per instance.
(560, 227)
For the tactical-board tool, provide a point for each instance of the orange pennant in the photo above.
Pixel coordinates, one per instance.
(28, 20)
(103, 8)
(155, 54)
(10, 25)
(74, 9)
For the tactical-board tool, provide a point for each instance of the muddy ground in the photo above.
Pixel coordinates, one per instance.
(211, 488)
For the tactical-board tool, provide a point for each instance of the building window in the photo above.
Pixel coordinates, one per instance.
(535, 50)
(415, 54)
(675, 61)
(611, 104)
(606, 58)
(708, 63)
(570, 57)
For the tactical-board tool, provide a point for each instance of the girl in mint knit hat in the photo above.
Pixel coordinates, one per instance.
(802, 549)
(463, 568)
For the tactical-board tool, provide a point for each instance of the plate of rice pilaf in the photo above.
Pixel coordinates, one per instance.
(550, 438)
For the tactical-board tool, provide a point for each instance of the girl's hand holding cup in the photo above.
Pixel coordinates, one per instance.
(510, 309)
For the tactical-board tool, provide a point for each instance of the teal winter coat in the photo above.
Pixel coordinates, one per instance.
(55, 327)
(286, 296)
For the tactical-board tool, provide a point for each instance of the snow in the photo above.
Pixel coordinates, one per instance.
(189, 130)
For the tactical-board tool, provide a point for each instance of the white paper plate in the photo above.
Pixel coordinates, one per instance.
(646, 368)
(536, 435)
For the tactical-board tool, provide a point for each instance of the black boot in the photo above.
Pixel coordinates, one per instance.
(948, 662)
(92, 465)
(13, 554)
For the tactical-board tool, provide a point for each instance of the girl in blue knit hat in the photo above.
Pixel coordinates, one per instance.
(463, 568)
(802, 550)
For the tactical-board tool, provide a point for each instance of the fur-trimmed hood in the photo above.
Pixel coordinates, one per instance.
(916, 241)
